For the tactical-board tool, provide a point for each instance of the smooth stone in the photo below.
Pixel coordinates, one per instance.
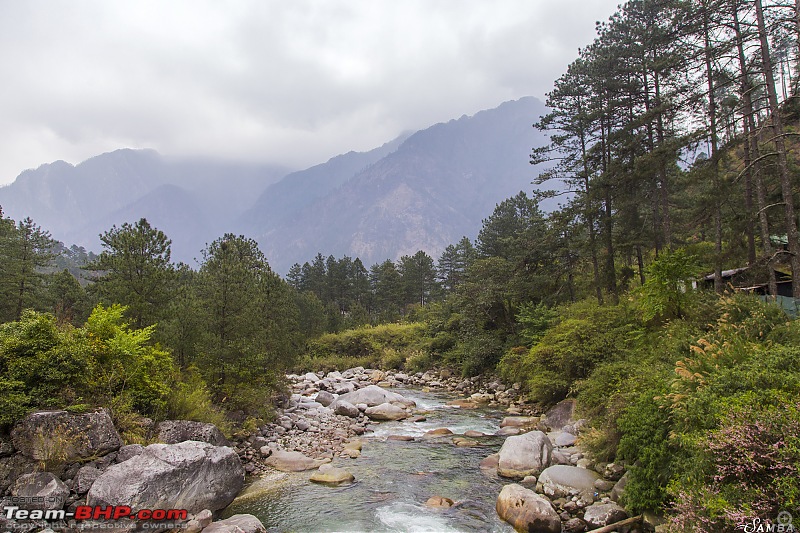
(238, 523)
(603, 514)
(439, 502)
(526, 510)
(525, 455)
(559, 481)
(292, 461)
(331, 475)
(402, 438)
(386, 412)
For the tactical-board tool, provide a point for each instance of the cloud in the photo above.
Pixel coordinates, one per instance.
(289, 82)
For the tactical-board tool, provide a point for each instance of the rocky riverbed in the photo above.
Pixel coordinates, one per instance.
(365, 449)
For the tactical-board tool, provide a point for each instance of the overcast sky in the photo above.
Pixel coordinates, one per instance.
(292, 82)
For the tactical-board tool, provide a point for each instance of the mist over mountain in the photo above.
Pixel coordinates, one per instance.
(421, 191)
(436, 187)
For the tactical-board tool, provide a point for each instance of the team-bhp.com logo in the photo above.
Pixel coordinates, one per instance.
(782, 524)
(95, 512)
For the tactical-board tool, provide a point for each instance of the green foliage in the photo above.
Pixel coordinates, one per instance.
(384, 346)
(45, 366)
(190, 399)
(134, 270)
(584, 336)
(667, 291)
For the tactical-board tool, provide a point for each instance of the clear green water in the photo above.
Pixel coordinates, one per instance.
(393, 481)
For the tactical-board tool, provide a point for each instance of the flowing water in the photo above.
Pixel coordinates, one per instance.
(393, 481)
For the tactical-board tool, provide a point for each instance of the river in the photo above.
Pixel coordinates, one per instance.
(394, 479)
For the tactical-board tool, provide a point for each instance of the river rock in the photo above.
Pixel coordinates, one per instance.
(436, 433)
(128, 452)
(345, 408)
(401, 438)
(613, 471)
(526, 510)
(574, 525)
(189, 475)
(12, 467)
(85, 478)
(564, 439)
(43, 434)
(508, 431)
(520, 421)
(473, 434)
(619, 488)
(377, 376)
(325, 398)
(463, 404)
(373, 395)
(439, 502)
(238, 523)
(293, 461)
(386, 411)
(525, 455)
(46, 491)
(559, 481)
(464, 442)
(603, 514)
(331, 475)
(175, 431)
(560, 414)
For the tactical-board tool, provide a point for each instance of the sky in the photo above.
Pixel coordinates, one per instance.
(289, 82)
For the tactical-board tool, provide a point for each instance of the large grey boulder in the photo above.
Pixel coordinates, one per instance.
(189, 475)
(374, 395)
(63, 436)
(345, 408)
(619, 488)
(603, 514)
(559, 481)
(85, 478)
(40, 490)
(325, 398)
(526, 510)
(560, 414)
(12, 467)
(525, 455)
(238, 523)
(175, 431)
(386, 411)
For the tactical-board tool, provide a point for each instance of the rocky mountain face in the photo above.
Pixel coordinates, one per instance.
(434, 188)
(421, 191)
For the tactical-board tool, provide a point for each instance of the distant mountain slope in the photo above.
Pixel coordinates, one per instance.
(420, 191)
(434, 188)
(77, 203)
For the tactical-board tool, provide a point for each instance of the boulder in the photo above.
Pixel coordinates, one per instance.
(12, 467)
(345, 408)
(175, 431)
(128, 452)
(85, 478)
(238, 523)
(564, 439)
(189, 475)
(520, 421)
(603, 514)
(436, 433)
(198, 522)
(508, 431)
(525, 455)
(325, 398)
(463, 404)
(559, 481)
(373, 395)
(473, 434)
(613, 471)
(377, 376)
(464, 442)
(293, 461)
(40, 490)
(59, 435)
(331, 475)
(560, 414)
(386, 411)
(439, 502)
(526, 510)
(619, 488)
